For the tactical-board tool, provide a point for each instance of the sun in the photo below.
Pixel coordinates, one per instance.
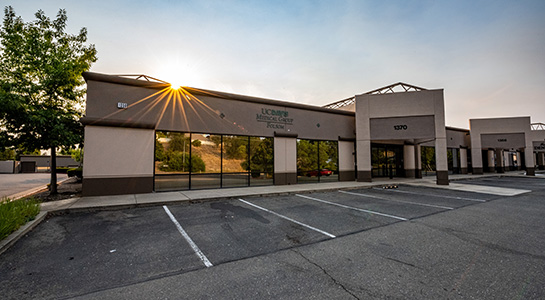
(175, 85)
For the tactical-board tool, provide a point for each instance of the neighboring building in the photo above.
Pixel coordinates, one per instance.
(143, 136)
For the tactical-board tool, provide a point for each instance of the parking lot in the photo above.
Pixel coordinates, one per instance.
(404, 242)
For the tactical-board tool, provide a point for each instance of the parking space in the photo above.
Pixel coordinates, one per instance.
(105, 249)
(531, 183)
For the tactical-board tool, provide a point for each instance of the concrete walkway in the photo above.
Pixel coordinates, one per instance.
(161, 198)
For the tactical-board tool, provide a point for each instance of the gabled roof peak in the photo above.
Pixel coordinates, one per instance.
(399, 87)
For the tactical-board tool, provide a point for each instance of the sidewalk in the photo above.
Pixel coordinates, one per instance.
(162, 198)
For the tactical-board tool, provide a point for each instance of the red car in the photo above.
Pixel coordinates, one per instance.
(323, 172)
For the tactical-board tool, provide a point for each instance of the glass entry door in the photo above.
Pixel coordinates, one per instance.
(387, 160)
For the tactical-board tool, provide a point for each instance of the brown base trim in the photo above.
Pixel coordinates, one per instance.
(418, 173)
(490, 169)
(477, 171)
(347, 175)
(364, 176)
(500, 170)
(442, 177)
(463, 170)
(410, 173)
(530, 171)
(116, 186)
(285, 178)
(541, 167)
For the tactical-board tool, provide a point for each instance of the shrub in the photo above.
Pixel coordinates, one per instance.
(62, 170)
(14, 214)
(75, 172)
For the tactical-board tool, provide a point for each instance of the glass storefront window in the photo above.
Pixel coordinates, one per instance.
(428, 160)
(198, 161)
(205, 161)
(317, 161)
(234, 161)
(329, 157)
(172, 161)
(261, 161)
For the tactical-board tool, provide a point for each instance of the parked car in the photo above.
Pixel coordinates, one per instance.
(323, 172)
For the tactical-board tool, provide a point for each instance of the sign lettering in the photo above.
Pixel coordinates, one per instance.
(275, 118)
(400, 127)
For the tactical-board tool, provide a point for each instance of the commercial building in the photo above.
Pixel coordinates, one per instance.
(141, 135)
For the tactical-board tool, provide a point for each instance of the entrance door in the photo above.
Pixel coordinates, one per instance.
(387, 160)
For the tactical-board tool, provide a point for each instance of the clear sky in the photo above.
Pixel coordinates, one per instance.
(488, 56)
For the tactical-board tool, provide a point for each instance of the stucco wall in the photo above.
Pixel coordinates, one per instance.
(118, 152)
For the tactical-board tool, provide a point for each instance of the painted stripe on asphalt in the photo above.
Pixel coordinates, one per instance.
(400, 201)
(354, 208)
(289, 219)
(198, 251)
(442, 196)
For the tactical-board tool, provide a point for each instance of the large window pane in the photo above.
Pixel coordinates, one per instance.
(428, 160)
(205, 161)
(328, 157)
(235, 161)
(261, 161)
(307, 161)
(172, 161)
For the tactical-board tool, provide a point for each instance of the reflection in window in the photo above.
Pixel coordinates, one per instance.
(261, 160)
(205, 161)
(317, 161)
(235, 161)
(172, 161)
(197, 161)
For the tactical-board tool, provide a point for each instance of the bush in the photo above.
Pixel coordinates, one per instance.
(62, 170)
(75, 172)
(14, 214)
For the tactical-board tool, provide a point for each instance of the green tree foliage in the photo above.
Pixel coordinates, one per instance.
(235, 147)
(176, 161)
(261, 156)
(41, 94)
(315, 155)
(7, 154)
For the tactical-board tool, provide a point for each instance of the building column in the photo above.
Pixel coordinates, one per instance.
(441, 161)
(364, 160)
(409, 161)
(499, 163)
(519, 162)
(477, 160)
(347, 171)
(491, 162)
(463, 160)
(418, 161)
(285, 160)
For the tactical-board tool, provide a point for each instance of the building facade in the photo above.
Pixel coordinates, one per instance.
(142, 136)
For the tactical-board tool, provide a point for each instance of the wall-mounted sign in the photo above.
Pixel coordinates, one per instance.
(122, 105)
(402, 128)
(503, 141)
(274, 118)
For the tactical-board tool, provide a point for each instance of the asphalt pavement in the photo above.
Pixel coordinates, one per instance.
(12, 185)
(423, 242)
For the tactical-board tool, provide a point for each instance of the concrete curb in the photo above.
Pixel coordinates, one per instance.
(11, 239)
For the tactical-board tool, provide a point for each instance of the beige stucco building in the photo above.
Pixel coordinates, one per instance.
(142, 136)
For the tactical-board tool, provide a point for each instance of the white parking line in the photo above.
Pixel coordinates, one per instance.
(400, 201)
(354, 208)
(198, 251)
(289, 219)
(442, 196)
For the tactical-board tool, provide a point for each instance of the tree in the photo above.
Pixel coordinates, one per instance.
(41, 93)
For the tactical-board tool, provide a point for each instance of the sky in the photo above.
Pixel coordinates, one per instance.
(488, 56)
